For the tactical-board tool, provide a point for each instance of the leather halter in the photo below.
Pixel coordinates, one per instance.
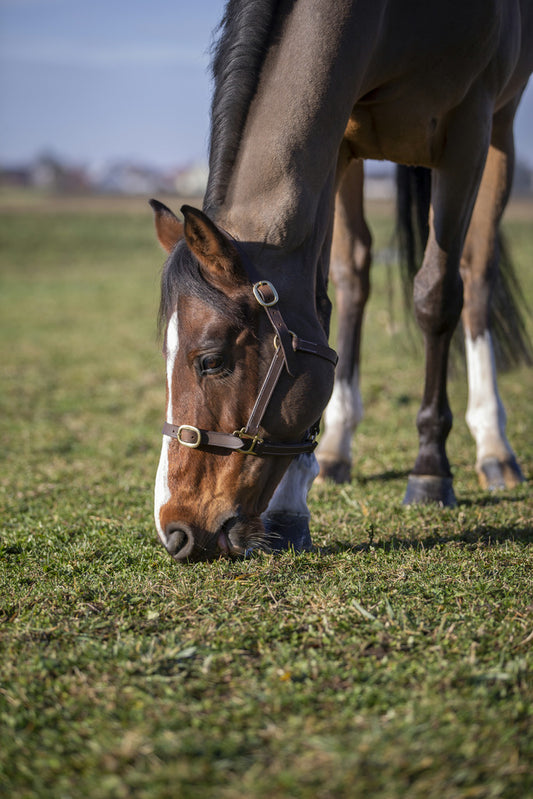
(246, 441)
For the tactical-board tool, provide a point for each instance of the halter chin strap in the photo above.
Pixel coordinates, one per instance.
(246, 440)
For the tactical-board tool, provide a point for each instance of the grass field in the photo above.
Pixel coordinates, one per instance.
(396, 661)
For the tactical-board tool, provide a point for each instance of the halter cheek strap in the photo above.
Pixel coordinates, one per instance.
(246, 440)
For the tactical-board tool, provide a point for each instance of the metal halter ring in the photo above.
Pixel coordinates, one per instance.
(253, 441)
(190, 428)
(276, 340)
(256, 288)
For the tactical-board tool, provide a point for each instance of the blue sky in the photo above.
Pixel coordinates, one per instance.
(98, 80)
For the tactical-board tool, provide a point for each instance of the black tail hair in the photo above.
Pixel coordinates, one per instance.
(413, 195)
(508, 313)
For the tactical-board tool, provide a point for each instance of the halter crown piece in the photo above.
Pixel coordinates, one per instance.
(246, 441)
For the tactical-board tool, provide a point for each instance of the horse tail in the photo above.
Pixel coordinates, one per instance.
(508, 313)
(413, 195)
(509, 309)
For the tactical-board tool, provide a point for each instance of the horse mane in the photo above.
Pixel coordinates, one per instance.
(238, 56)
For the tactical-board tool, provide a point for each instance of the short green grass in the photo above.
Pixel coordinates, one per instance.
(393, 662)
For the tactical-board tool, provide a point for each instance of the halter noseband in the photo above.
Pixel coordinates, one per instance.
(246, 441)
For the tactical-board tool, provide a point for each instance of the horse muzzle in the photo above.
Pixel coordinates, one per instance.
(236, 538)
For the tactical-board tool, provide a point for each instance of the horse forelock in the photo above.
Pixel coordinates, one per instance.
(182, 276)
(238, 56)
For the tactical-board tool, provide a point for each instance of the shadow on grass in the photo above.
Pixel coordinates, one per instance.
(483, 534)
(488, 500)
(391, 474)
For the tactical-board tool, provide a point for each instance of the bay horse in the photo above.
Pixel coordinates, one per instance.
(302, 90)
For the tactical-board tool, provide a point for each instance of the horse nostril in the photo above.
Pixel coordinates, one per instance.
(235, 541)
(230, 538)
(179, 541)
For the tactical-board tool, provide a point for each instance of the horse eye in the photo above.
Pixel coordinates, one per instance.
(211, 364)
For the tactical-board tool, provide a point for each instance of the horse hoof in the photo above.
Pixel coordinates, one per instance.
(496, 475)
(337, 471)
(287, 531)
(423, 490)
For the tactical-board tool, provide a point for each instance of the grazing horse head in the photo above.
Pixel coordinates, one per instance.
(244, 394)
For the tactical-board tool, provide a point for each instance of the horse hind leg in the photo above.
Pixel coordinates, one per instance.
(496, 463)
(350, 268)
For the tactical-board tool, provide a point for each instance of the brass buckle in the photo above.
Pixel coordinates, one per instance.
(190, 444)
(257, 294)
(254, 440)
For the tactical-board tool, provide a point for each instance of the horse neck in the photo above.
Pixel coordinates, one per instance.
(279, 194)
(282, 176)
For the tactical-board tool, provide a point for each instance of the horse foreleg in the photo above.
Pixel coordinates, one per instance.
(350, 267)
(496, 464)
(438, 292)
(286, 519)
(438, 300)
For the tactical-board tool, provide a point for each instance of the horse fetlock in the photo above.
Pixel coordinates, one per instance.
(433, 426)
(334, 469)
(496, 474)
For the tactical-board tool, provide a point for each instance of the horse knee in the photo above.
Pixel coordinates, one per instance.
(438, 299)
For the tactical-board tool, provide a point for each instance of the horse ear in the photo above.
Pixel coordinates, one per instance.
(216, 253)
(168, 227)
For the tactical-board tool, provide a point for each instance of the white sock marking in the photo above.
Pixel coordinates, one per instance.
(485, 415)
(342, 415)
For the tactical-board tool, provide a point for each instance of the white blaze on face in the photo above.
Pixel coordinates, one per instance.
(485, 415)
(162, 490)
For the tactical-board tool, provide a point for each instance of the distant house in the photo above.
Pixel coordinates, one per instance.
(129, 178)
(49, 173)
(15, 177)
(191, 181)
(46, 172)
